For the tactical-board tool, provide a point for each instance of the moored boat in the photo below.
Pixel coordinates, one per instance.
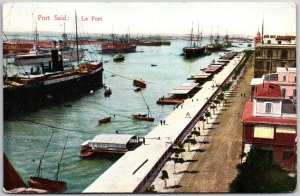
(143, 117)
(119, 57)
(194, 48)
(105, 120)
(107, 91)
(109, 143)
(53, 186)
(139, 83)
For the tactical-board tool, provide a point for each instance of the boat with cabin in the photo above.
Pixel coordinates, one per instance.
(50, 83)
(110, 143)
(139, 83)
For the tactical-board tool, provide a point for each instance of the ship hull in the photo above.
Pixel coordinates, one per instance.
(193, 52)
(111, 50)
(18, 99)
(46, 184)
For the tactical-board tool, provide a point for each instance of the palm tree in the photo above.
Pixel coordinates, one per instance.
(195, 133)
(207, 115)
(164, 176)
(176, 159)
(217, 102)
(189, 141)
(203, 120)
(221, 97)
(213, 107)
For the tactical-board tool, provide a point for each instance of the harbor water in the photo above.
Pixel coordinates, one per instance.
(26, 135)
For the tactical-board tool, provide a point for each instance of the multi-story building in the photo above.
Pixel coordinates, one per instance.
(285, 77)
(272, 52)
(269, 122)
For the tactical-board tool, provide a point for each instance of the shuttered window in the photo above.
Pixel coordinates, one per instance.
(261, 131)
(268, 107)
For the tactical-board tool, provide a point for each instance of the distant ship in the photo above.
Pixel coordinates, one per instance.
(117, 46)
(194, 48)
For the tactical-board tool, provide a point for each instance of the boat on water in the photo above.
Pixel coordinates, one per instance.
(194, 48)
(105, 120)
(107, 91)
(138, 89)
(119, 57)
(109, 143)
(50, 83)
(117, 46)
(139, 83)
(52, 186)
(143, 117)
(214, 45)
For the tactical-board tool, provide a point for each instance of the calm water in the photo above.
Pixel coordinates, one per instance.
(25, 142)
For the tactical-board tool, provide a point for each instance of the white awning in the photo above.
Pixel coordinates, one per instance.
(112, 138)
(256, 81)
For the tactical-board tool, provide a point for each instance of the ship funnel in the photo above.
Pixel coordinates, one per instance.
(57, 64)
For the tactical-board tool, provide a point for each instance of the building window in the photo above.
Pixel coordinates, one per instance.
(268, 107)
(295, 79)
(283, 92)
(269, 53)
(284, 54)
(294, 92)
(279, 42)
(284, 78)
(269, 41)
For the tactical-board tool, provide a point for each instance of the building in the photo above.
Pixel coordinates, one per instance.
(269, 122)
(272, 52)
(286, 78)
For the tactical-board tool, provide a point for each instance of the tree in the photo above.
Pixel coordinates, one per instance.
(164, 176)
(217, 102)
(207, 115)
(259, 174)
(176, 159)
(151, 189)
(195, 133)
(213, 107)
(221, 97)
(189, 141)
(179, 150)
(203, 120)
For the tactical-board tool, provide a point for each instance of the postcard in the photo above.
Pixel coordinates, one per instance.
(149, 97)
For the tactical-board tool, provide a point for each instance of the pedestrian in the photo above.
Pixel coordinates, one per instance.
(188, 115)
(181, 106)
(192, 100)
(164, 122)
(241, 94)
(244, 94)
(160, 122)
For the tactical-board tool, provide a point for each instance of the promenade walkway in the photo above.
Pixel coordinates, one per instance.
(137, 169)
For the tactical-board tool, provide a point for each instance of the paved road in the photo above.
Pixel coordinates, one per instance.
(215, 167)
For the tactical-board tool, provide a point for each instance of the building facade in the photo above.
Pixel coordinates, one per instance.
(269, 122)
(272, 52)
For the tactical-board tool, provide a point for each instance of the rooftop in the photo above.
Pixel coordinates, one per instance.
(112, 138)
(248, 117)
(267, 90)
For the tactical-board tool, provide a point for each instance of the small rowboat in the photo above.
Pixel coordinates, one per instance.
(139, 83)
(142, 117)
(104, 120)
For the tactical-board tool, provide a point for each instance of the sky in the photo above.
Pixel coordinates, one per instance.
(144, 18)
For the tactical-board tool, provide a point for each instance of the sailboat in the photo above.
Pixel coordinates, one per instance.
(56, 185)
(143, 117)
(194, 48)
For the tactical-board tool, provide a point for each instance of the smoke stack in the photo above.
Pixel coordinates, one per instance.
(57, 64)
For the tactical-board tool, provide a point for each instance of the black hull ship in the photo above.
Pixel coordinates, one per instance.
(50, 85)
(190, 52)
(53, 84)
(194, 48)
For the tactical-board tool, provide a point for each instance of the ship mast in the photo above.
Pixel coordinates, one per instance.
(149, 112)
(58, 164)
(76, 38)
(40, 164)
